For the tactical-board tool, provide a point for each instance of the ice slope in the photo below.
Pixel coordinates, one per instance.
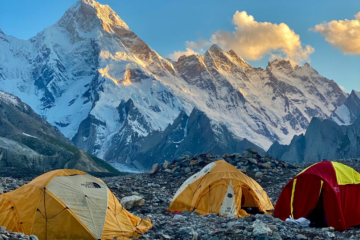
(347, 113)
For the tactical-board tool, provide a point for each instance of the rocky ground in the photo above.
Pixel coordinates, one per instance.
(8, 235)
(155, 191)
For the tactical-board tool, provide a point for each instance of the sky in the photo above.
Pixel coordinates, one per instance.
(325, 33)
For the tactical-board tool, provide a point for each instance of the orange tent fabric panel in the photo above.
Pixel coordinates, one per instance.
(122, 224)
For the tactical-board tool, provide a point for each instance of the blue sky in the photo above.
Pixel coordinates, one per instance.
(166, 25)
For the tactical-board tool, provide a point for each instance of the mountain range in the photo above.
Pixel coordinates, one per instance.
(105, 89)
(324, 139)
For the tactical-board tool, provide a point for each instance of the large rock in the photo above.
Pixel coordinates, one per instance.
(132, 201)
(155, 168)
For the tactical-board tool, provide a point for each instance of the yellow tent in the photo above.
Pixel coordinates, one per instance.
(68, 204)
(222, 189)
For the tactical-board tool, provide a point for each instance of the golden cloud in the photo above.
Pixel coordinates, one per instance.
(253, 40)
(177, 54)
(343, 34)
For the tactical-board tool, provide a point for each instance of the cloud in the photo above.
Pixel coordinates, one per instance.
(343, 34)
(197, 45)
(342, 88)
(253, 40)
(177, 54)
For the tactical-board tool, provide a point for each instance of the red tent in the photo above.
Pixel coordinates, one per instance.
(340, 188)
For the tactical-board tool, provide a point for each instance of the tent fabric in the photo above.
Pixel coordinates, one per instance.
(337, 185)
(68, 204)
(220, 188)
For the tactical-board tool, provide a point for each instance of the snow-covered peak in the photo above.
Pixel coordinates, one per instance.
(215, 49)
(238, 60)
(280, 64)
(89, 14)
(355, 93)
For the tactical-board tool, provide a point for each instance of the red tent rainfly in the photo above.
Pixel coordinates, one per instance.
(340, 188)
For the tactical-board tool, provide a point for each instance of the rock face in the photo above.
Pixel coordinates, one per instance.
(28, 141)
(106, 89)
(347, 113)
(324, 139)
(188, 135)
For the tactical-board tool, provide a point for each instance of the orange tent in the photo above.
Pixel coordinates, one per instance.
(222, 189)
(68, 204)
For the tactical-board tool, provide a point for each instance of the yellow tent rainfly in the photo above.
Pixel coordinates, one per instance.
(68, 204)
(222, 189)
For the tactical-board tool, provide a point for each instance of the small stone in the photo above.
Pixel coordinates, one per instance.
(258, 175)
(193, 162)
(33, 237)
(328, 235)
(168, 170)
(253, 161)
(300, 236)
(166, 164)
(164, 236)
(2, 230)
(155, 168)
(178, 217)
(213, 238)
(187, 170)
(265, 165)
(276, 236)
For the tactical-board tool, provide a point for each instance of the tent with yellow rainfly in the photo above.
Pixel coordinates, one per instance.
(327, 192)
(222, 189)
(68, 204)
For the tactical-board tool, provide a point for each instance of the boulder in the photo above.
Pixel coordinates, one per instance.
(261, 229)
(132, 201)
(155, 168)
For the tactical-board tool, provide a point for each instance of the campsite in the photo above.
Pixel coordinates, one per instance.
(150, 195)
(179, 120)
